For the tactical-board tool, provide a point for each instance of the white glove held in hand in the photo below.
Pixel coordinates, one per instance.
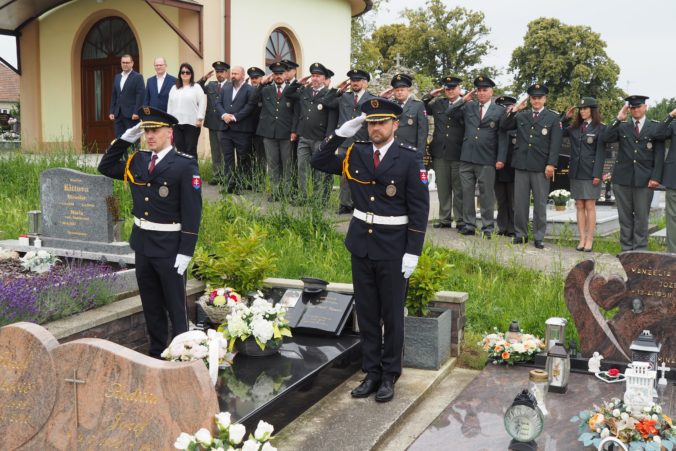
(133, 134)
(351, 127)
(181, 263)
(408, 264)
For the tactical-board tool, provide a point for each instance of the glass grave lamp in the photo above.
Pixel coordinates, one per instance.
(558, 368)
(524, 422)
(555, 331)
(514, 334)
(645, 349)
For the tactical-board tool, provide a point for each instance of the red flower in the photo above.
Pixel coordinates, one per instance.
(613, 372)
(646, 428)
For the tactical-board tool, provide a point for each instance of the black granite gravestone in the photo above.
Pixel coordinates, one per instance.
(322, 313)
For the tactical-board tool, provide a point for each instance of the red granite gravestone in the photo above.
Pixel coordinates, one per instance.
(95, 394)
(27, 389)
(645, 301)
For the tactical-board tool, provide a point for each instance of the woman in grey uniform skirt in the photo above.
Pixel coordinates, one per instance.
(587, 151)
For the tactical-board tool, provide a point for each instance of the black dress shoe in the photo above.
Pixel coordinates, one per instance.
(442, 225)
(385, 391)
(519, 240)
(364, 389)
(344, 210)
(502, 233)
(467, 231)
(459, 226)
(487, 235)
(511, 234)
(539, 244)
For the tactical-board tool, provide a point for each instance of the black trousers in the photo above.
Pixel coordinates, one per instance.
(236, 171)
(379, 289)
(122, 124)
(185, 138)
(162, 292)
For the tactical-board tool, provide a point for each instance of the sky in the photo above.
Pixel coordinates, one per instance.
(639, 34)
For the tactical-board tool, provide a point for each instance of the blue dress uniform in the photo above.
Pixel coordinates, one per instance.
(391, 207)
(640, 158)
(167, 207)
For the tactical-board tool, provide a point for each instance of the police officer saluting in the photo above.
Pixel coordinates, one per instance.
(167, 206)
(386, 234)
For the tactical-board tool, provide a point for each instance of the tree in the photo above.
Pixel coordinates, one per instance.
(571, 61)
(661, 109)
(364, 54)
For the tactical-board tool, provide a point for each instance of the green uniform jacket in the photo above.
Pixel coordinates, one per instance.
(448, 131)
(276, 113)
(413, 126)
(482, 143)
(538, 142)
(669, 174)
(312, 117)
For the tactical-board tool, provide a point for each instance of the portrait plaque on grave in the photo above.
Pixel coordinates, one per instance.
(324, 313)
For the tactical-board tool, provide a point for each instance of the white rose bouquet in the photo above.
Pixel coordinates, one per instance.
(560, 196)
(195, 344)
(40, 261)
(261, 320)
(501, 350)
(230, 436)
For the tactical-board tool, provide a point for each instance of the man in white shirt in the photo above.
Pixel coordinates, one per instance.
(127, 96)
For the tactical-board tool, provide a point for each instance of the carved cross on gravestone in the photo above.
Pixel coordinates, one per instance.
(664, 369)
(75, 381)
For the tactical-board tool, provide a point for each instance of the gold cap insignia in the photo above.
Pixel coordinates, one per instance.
(582, 102)
(537, 86)
(398, 77)
(316, 64)
(146, 110)
(481, 78)
(375, 104)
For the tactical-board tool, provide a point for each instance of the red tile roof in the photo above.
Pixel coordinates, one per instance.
(9, 84)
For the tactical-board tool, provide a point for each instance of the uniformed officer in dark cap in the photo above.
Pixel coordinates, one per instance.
(212, 120)
(482, 148)
(391, 204)
(258, 153)
(290, 72)
(167, 206)
(311, 125)
(413, 126)
(274, 126)
(637, 171)
(445, 150)
(669, 182)
(347, 98)
(504, 180)
(538, 143)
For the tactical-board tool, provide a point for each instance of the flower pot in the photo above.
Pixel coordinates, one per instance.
(250, 348)
(560, 207)
(427, 343)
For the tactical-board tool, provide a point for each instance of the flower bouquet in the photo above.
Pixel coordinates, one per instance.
(264, 323)
(648, 430)
(195, 344)
(230, 436)
(560, 197)
(39, 262)
(218, 303)
(501, 350)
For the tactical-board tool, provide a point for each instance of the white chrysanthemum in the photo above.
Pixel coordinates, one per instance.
(518, 347)
(616, 413)
(184, 441)
(238, 327)
(236, 433)
(203, 436)
(605, 433)
(250, 445)
(223, 420)
(262, 329)
(263, 431)
(658, 409)
(624, 416)
(268, 447)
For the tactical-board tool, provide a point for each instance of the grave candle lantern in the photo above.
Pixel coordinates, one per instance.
(555, 331)
(645, 349)
(558, 368)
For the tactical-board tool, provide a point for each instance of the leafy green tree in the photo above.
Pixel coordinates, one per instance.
(364, 54)
(661, 109)
(572, 61)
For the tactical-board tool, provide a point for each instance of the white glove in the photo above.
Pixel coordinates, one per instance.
(133, 134)
(408, 264)
(182, 263)
(351, 127)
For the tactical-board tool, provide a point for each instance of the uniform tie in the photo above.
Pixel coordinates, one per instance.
(636, 129)
(356, 100)
(481, 112)
(376, 158)
(279, 91)
(535, 115)
(584, 128)
(153, 160)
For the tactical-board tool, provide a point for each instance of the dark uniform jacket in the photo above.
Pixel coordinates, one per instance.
(241, 107)
(126, 102)
(212, 120)
(506, 174)
(276, 113)
(587, 151)
(401, 168)
(482, 143)
(312, 117)
(171, 194)
(344, 104)
(413, 126)
(669, 174)
(639, 158)
(538, 142)
(448, 131)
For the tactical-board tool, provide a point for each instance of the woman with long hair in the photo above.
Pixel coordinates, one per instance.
(188, 104)
(587, 152)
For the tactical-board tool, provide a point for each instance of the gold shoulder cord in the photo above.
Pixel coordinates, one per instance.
(127, 173)
(346, 167)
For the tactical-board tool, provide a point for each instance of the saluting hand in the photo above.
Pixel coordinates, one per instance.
(673, 113)
(436, 92)
(351, 127)
(342, 87)
(622, 115)
(521, 105)
(386, 94)
(304, 81)
(569, 113)
(469, 96)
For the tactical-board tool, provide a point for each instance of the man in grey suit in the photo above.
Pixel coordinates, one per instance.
(445, 151)
(413, 126)
(275, 127)
(669, 182)
(637, 171)
(311, 124)
(536, 154)
(482, 148)
(348, 104)
(212, 119)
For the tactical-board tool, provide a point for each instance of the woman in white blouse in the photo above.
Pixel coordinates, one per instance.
(187, 103)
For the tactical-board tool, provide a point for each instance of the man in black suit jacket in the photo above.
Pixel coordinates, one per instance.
(391, 205)
(212, 120)
(127, 98)
(167, 206)
(235, 107)
(669, 182)
(159, 85)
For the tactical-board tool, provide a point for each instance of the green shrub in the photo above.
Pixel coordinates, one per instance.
(425, 281)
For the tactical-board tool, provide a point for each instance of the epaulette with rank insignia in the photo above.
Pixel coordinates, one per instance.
(145, 150)
(184, 155)
(653, 120)
(555, 112)
(363, 142)
(408, 147)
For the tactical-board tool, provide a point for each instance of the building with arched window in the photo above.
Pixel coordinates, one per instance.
(69, 51)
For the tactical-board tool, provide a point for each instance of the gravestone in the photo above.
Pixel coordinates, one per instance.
(645, 301)
(78, 212)
(322, 313)
(95, 394)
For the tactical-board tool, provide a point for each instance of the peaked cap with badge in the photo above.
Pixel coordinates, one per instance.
(319, 68)
(379, 110)
(254, 72)
(483, 81)
(358, 74)
(537, 90)
(155, 118)
(401, 80)
(450, 81)
(220, 65)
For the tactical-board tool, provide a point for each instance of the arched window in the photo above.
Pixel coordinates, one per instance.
(279, 47)
(110, 37)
